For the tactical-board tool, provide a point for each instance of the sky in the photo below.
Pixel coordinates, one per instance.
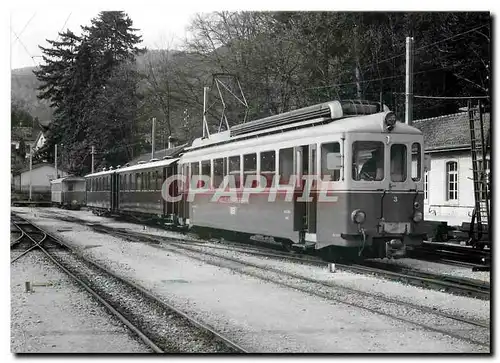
(31, 27)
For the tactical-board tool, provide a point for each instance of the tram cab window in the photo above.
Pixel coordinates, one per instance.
(70, 187)
(205, 171)
(234, 169)
(250, 170)
(285, 165)
(416, 161)
(368, 160)
(268, 166)
(331, 161)
(219, 171)
(398, 163)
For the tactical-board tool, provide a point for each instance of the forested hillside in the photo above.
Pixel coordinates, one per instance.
(104, 89)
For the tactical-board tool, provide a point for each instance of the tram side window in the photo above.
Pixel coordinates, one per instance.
(268, 166)
(368, 160)
(205, 171)
(132, 181)
(234, 169)
(250, 170)
(331, 161)
(416, 161)
(195, 172)
(398, 163)
(285, 165)
(219, 171)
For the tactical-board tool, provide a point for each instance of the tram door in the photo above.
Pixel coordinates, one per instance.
(305, 198)
(114, 190)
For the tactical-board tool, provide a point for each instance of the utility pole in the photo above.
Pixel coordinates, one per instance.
(205, 126)
(55, 161)
(356, 69)
(31, 168)
(153, 139)
(92, 153)
(409, 81)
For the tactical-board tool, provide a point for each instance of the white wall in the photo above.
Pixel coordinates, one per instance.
(40, 178)
(437, 207)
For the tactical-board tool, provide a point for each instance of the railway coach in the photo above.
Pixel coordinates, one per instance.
(135, 191)
(341, 177)
(68, 192)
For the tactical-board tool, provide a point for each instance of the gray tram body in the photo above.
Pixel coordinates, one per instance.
(393, 209)
(68, 192)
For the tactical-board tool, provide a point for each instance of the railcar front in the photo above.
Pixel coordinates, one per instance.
(73, 192)
(56, 191)
(376, 207)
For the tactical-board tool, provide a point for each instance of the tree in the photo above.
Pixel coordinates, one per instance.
(93, 95)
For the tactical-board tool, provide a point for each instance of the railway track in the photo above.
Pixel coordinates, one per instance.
(162, 327)
(454, 285)
(473, 331)
(478, 260)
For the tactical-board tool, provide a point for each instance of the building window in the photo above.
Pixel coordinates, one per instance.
(452, 180)
(426, 185)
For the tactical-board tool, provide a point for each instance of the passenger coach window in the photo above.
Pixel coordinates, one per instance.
(138, 181)
(285, 165)
(398, 163)
(250, 170)
(219, 171)
(368, 160)
(416, 161)
(159, 179)
(330, 161)
(235, 168)
(268, 166)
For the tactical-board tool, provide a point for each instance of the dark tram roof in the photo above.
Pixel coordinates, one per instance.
(159, 154)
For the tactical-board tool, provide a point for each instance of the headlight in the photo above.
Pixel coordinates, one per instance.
(416, 205)
(390, 121)
(417, 217)
(358, 216)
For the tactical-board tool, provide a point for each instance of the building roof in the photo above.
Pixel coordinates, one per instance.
(25, 133)
(159, 154)
(448, 131)
(36, 166)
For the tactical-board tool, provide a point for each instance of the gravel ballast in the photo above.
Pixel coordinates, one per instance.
(259, 315)
(60, 317)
